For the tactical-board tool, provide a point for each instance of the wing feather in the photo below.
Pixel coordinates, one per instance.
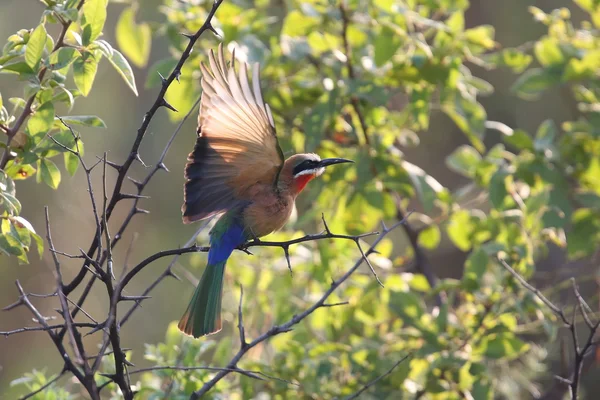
(237, 145)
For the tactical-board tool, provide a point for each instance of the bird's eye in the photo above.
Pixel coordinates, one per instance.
(305, 165)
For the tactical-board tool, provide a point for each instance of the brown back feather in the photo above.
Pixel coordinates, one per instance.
(237, 145)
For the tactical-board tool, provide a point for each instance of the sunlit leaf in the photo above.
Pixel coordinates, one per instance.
(134, 39)
(84, 71)
(124, 69)
(49, 173)
(94, 16)
(35, 46)
(84, 120)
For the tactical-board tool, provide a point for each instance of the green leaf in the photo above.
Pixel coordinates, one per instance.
(460, 228)
(545, 136)
(298, 24)
(548, 52)
(475, 267)
(482, 37)
(533, 82)
(35, 46)
(464, 160)
(498, 191)
(519, 139)
(94, 15)
(9, 203)
(71, 162)
(19, 171)
(23, 223)
(50, 173)
(407, 306)
(84, 120)
(430, 237)
(62, 58)
(426, 186)
(41, 121)
(134, 39)
(584, 236)
(19, 67)
(470, 117)
(124, 69)
(502, 346)
(84, 71)
(386, 45)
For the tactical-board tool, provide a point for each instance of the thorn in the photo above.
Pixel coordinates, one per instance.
(245, 250)
(133, 298)
(132, 196)
(177, 75)
(286, 250)
(161, 165)
(137, 157)
(128, 363)
(383, 226)
(162, 78)
(139, 185)
(325, 224)
(110, 164)
(96, 329)
(213, 30)
(172, 274)
(164, 103)
(138, 210)
(187, 35)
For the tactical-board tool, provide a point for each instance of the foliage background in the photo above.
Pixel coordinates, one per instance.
(117, 106)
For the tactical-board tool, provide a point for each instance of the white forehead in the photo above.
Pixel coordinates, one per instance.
(313, 157)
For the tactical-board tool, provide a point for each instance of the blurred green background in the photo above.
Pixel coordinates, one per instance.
(112, 101)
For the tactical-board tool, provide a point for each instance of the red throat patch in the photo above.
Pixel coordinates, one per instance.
(301, 181)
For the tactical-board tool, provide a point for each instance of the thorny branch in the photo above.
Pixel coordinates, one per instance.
(581, 353)
(374, 381)
(100, 250)
(98, 260)
(287, 326)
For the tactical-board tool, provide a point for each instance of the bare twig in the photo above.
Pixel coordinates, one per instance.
(374, 381)
(248, 373)
(46, 328)
(580, 353)
(50, 382)
(89, 384)
(76, 345)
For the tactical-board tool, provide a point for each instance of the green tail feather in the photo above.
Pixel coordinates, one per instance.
(203, 315)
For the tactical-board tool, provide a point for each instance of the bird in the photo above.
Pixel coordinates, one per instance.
(236, 170)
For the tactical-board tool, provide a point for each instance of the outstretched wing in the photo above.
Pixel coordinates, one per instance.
(236, 146)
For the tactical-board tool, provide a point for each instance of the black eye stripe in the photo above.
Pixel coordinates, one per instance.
(304, 165)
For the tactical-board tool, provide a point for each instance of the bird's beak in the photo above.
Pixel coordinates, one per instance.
(330, 161)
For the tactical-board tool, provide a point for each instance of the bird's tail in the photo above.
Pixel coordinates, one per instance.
(203, 314)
